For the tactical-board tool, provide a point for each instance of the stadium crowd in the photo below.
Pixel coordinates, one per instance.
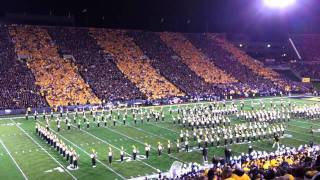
(166, 61)
(110, 65)
(286, 163)
(195, 60)
(18, 89)
(220, 57)
(134, 64)
(95, 65)
(58, 78)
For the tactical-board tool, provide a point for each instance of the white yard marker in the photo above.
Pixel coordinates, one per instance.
(25, 177)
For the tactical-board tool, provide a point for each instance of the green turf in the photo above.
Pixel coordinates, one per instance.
(35, 157)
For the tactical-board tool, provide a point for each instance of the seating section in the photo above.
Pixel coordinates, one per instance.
(246, 60)
(226, 61)
(254, 65)
(195, 60)
(58, 78)
(104, 65)
(16, 80)
(308, 46)
(169, 64)
(134, 64)
(95, 66)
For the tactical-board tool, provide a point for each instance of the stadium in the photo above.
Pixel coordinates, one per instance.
(160, 89)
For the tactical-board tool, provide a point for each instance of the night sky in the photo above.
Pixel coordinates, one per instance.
(231, 16)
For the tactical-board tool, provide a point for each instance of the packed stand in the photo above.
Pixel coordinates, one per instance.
(168, 63)
(254, 65)
(195, 60)
(134, 64)
(16, 80)
(248, 80)
(287, 163)
(58, 78)
(96, 67)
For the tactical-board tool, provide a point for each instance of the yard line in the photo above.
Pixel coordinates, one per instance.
(301, 134)
(90, 134)
(302, 128)
(309, 123)
(139, 129)
(73, 177)
(84, 151)
(154, 124)
(25, 177)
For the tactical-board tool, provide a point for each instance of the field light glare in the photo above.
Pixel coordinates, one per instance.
(279, 3)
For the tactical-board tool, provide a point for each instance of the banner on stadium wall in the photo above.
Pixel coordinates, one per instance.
(306, 80)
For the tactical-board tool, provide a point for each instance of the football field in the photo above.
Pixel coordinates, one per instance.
(24, 155)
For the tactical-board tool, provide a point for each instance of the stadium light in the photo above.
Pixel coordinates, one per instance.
(279, 3)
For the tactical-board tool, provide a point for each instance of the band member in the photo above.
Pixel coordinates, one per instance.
(169, 147)
(88, 124)
(159, 148)
(199, 142)
(69, 125)
(181, 136)
(75, 160)
(76, 110)
(68, 153)
(79, 124)
(227, 154)
(71, 159)
(178, 145)
(105, 122)
(276, 141)
(147, 149)
(59, 127)
(110, 155)
(186, 144)
(37, 128)
(134, 152)
(250, 150)
(121, 154)
(93, 158)
(98, 122)
(35, 115)
(74, 119)
(114, 122)
(205, 153)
